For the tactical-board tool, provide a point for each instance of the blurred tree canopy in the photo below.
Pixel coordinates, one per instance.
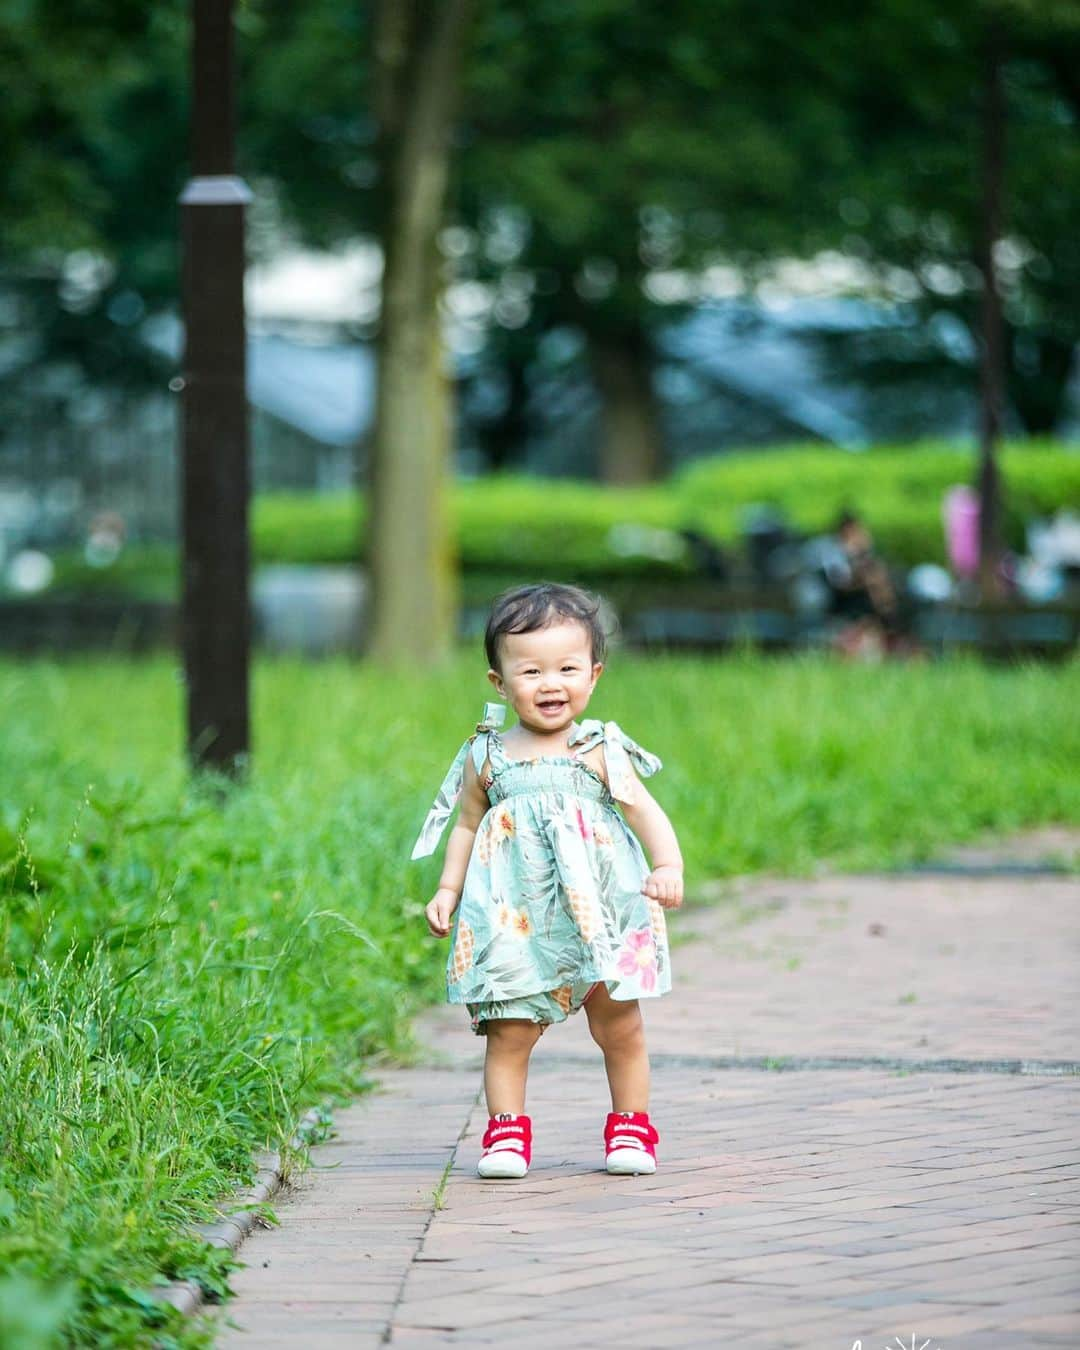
(93, 145)
(598, 147)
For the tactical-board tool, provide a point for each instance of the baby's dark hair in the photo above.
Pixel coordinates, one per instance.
(528, 608)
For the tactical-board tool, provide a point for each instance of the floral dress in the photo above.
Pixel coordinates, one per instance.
(552, 902)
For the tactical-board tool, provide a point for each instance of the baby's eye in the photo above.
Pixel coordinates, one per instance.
(569, 667)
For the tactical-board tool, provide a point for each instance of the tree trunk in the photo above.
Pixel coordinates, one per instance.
(631, 449)
(419, 46)
(992, 350)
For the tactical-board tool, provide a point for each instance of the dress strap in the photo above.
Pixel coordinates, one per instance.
(495, 751)
(619, 750)
(446, 798)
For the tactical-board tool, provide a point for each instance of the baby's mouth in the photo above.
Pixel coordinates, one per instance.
(552, 705)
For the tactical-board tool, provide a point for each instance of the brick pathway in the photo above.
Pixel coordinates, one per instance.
(867, 1136)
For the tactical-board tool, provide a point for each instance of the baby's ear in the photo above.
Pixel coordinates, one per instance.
(597, 669)
(496, 680)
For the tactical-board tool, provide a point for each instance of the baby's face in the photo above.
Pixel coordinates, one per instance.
(547, 676)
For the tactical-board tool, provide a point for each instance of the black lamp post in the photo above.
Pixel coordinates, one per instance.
(216, 469)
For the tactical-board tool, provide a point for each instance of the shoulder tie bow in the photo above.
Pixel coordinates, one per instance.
(619, 750)
(448, 794)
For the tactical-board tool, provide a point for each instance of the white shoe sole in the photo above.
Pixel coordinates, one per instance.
(505, 1165)
(625, 1162)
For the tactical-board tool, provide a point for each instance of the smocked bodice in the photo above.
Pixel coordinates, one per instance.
(548, 774)
(559, 775)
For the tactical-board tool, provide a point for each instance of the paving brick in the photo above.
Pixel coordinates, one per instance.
(803, 1208)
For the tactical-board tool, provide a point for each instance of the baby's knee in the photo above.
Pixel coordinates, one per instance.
(512, 1037)
(623, 1030)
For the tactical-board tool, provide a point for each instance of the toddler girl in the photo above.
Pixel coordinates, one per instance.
(552, 903)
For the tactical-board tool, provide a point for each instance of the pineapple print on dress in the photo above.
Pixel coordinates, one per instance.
(461, 958)
(562, 996)
(586, 912)
(658, 923)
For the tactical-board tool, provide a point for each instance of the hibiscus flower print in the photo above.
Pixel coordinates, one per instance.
(496, 826)
(638, 958)
(602, 835)
(520, 923)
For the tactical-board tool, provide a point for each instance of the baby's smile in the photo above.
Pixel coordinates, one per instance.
(548, 676)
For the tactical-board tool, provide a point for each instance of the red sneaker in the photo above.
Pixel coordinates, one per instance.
(630, 1142)
(507, 1145)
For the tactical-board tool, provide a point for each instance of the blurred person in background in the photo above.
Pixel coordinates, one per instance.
(863, 596)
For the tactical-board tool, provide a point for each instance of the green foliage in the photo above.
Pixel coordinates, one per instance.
(182, 986)
(596, 142)
(151, 571)
(512, 528)
(502, 522)
(32, 1312)
(186, 966)
(898, 489)
(523, 526)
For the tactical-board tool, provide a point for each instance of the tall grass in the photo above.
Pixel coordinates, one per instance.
(185, 966)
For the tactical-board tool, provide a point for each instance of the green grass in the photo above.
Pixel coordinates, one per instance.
(512, 527)
(180, 976)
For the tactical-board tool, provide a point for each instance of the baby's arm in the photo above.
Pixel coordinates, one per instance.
(646, 817)
(473, 805)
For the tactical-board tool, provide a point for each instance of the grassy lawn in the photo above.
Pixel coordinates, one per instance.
(180, 976)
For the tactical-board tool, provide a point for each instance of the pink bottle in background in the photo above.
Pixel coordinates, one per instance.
(960, 512)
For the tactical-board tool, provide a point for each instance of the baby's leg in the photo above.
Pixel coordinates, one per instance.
(618, 1029)
(506, 1063)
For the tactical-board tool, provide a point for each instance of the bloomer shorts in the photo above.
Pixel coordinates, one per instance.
(554, 1005)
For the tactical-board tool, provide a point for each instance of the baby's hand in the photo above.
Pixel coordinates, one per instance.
(665, 885)
(440, 910)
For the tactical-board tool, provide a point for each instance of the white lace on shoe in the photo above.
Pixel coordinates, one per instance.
(628, 1141)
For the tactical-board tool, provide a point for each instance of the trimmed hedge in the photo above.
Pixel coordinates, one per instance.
(514, 527)
(563, 527)
(898, 490)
